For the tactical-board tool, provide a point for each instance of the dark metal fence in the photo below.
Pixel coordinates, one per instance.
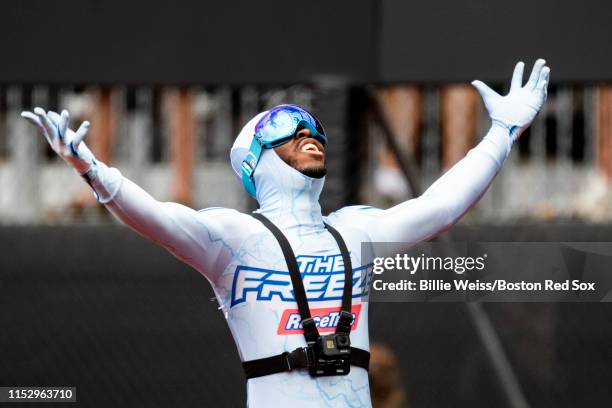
(101, 309)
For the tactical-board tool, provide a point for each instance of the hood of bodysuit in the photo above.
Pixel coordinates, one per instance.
(278, 185)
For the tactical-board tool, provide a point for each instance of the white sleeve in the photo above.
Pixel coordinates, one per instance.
(443, 203)
(451, 196)
(191, 236)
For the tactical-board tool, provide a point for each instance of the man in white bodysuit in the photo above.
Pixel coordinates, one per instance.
(243, 262)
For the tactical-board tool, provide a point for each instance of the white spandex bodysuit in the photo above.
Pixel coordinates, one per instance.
(244, 264)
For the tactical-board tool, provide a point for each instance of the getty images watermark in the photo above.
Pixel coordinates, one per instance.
(490, 271)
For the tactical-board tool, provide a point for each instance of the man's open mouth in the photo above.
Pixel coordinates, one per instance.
(309, 146)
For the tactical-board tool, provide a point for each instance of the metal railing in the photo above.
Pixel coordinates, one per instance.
(543, 178)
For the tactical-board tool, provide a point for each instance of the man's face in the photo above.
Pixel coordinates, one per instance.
(304, 153)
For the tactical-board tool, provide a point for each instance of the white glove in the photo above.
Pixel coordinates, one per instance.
(66, 143)
(519, 107)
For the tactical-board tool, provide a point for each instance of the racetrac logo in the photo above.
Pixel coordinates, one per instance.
(323, 278)
(326, 320)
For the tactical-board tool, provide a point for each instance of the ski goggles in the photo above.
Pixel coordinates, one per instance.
(275, 128)
(280, 124)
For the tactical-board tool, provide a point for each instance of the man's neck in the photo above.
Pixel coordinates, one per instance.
(291, 208)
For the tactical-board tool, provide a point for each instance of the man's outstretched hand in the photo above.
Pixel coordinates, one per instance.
(66, 143)
(519, 107)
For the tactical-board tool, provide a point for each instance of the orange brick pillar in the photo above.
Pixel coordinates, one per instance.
(182, 145)
(459, 110)
(604, 132)
(403, 106)
(102, 127)
(99, 140)
(403, 110)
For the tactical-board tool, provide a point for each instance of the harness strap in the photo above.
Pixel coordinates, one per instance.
(298, 358)
(304, 357)
(345, 319)
(310, 329)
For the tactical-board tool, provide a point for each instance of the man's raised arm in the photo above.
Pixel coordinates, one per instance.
(462, 186)
(181, 230)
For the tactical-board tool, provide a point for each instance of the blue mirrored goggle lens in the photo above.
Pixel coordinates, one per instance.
(281, 123)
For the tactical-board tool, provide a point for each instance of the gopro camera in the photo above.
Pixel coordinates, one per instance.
(330, 355)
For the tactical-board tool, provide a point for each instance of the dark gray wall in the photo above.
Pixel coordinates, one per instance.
(183, 41)
(104, 310)
(460, 40)
(232, 41)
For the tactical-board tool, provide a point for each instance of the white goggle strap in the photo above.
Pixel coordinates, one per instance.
(248, 166)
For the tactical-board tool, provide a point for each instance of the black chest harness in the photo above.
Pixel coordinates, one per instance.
(326, 355)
